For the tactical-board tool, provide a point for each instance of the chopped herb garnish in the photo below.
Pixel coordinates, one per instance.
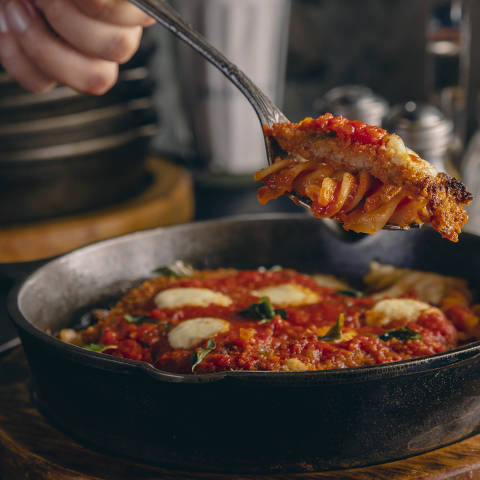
(404, 333)
(263, 310)
(350, 292)
(335, 332)
(94, 347)
(176, 269)
(137, 318)
(201, 353)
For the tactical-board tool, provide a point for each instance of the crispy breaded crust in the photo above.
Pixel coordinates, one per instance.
(354, 146)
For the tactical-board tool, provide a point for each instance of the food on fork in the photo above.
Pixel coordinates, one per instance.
(361, 176)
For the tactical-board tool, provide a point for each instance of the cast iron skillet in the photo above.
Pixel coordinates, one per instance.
(245, 421)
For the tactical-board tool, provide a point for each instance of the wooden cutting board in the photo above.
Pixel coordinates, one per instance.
(31, 448)
(167, 200)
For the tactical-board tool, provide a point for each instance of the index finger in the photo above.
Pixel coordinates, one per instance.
(118, 12)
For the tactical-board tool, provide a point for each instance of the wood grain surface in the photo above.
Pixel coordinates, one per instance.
(31, 448)
(168, 200)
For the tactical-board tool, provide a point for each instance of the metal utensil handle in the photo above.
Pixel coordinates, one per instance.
(268, 113)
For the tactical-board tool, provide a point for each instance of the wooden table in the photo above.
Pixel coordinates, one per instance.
(31, 448)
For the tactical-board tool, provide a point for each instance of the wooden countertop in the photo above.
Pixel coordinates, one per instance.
(31, 448)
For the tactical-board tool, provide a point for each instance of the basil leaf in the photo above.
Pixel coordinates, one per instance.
(201, 353)
(404, 333)
(176, 269)
(94, 347)
(350, 292)
(335, 333)
(263, 310)
(137, 318)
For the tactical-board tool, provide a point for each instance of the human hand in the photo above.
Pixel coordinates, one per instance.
(78, 43)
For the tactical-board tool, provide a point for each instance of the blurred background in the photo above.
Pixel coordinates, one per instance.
(174, 142)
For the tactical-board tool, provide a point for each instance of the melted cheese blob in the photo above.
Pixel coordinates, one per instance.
(69, 335)
(191, 332)
(295, 365)
(198, 297)
(288, 294)
(395, 309)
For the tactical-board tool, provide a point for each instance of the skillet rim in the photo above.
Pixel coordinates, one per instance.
(465, 353)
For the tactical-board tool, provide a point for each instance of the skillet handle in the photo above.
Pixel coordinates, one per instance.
(17, 271)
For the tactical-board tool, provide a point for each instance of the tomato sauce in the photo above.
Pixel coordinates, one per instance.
(353, 130)
(253, 345)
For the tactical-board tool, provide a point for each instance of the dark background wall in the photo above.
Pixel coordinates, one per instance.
(474, 71)
(378, 43)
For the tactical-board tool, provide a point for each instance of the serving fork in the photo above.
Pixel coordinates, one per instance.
(268, 113)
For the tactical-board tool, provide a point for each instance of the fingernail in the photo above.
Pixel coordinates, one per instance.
(19, 14)
(3, 22)
(148, 22)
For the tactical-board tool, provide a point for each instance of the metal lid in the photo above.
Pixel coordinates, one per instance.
(423, 127)
(355, 102)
